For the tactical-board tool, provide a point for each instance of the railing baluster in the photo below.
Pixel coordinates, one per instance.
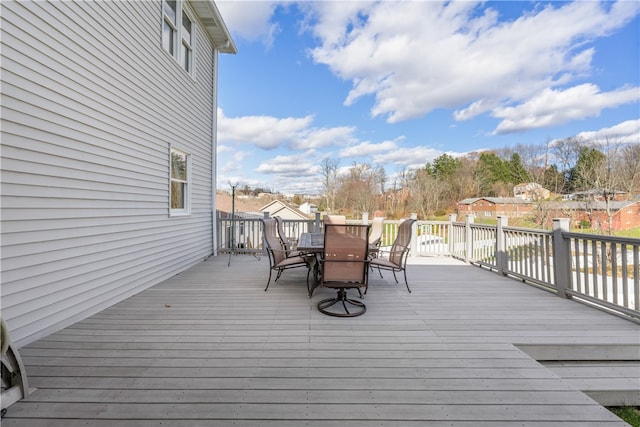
(636, 277)
(576, 257)
(625, 275)
(594, 267)
(614, 270)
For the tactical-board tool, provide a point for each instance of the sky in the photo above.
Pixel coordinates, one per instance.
(399, 83)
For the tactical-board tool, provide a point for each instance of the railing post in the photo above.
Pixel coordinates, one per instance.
(316, 225)
(414, 235)
(561, 256)
(468, 239)
(501, 246)
(365, 218)
(450, 239)
(265, 215)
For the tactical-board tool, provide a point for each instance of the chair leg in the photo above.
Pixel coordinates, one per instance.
(268, 281)
(405, 280)
(309, 288)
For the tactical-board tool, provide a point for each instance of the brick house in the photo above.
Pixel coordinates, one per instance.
(624, 214)
(492, 207)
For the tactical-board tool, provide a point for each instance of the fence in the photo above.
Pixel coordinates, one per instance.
(598, 270)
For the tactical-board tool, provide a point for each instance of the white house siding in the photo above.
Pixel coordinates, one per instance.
(90, 105)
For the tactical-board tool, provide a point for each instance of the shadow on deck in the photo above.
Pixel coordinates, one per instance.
(210, 347)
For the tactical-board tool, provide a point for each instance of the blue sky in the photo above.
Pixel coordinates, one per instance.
(398, 84)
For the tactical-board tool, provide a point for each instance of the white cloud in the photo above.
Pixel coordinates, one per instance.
(627, 132)
(250, 20)
(415, 57)
(408, 158)
(263, 131)
(297, 165)
(368, 148)
(234, 162)
(555, 107)
(324, 137)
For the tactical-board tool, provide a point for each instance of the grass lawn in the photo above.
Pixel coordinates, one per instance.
(630, 414)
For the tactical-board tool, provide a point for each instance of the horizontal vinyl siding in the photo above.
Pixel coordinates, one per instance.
(91, 104)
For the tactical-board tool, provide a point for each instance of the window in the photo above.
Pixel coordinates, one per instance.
(180, 191)
(175, 29)
(186, 51)
(169, 28)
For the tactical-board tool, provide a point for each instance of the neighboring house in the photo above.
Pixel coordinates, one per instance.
(108, 152)
(624, 214)
(308, 208)
(283, 210)
(596, 194)
(531, 191)
(492, 207)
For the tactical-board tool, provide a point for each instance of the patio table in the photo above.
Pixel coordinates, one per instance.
(312, 243)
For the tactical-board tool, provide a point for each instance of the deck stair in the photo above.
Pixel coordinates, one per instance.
(609, 374)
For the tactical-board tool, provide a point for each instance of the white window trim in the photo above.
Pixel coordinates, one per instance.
(178, 48)
(190, 50)
(186, 211)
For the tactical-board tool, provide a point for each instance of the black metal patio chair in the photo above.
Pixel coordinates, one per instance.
(278, 259)
(345, 265)
(395, 260)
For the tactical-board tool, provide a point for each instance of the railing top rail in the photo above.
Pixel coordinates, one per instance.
(528, 230)
(476, 225)
(600, 237)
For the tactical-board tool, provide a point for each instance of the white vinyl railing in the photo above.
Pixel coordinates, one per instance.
(595, 269)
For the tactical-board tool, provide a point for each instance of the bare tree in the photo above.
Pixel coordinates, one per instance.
(604, 172)
(628, 166)
(564, 153)
(330, 177)
(357, 190)
(426, 193)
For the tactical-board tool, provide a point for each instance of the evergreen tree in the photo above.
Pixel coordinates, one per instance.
(517, 171)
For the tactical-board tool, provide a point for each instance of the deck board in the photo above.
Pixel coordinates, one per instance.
(210, 347)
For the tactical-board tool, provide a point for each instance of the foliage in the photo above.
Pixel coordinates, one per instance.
(560, 166)
(630, 414)
(586, 172)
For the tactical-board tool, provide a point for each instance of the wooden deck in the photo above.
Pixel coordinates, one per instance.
(210, 348)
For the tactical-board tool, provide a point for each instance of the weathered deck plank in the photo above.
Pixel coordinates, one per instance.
(209, 347)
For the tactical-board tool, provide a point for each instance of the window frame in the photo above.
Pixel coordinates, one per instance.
(187, 183)
(186, 46)
(183, 49)
(170, 48)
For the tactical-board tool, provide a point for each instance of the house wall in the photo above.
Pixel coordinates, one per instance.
(624, 219)
(628, 217)
(90, 105)
(487, 209)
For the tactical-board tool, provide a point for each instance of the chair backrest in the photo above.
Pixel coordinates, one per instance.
(334, 219)
(400, 247)
(282, 236)
(376, 231)
(345, 255)
(272, 240)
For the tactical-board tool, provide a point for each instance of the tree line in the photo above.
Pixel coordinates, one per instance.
(565, 166)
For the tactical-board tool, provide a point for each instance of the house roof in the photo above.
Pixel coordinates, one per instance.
(496, 200)
(277, 206)
(214, 25)
(614, 205)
